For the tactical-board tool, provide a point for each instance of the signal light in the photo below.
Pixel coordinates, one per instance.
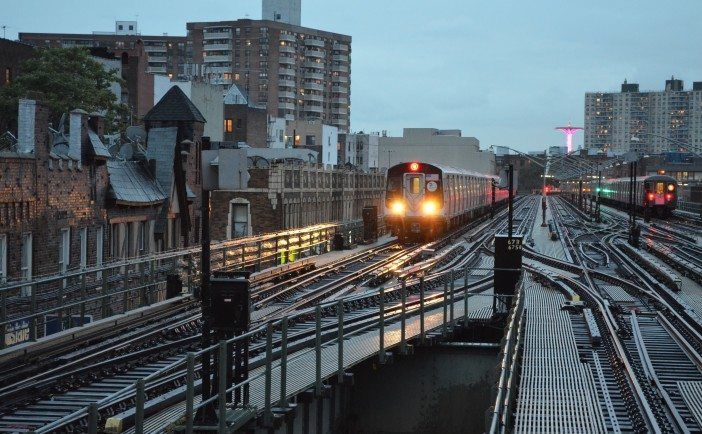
(414, 167)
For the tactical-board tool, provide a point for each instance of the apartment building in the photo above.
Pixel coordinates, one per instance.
(654, 119)
(294, 72)
(359, 150)
(168, 55)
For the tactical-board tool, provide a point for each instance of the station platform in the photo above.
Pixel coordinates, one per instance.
(541, 235)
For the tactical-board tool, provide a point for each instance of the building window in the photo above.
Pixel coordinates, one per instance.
(310, 140)
(228, 125)
(83, 247)
(3, 258)
(131, 27)
(8, 75)
(64, 249)
(98, 249)
(120, 27)
(239, 219)
(141, 240)
(26, 262)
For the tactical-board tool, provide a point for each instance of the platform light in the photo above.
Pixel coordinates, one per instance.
(414, 167)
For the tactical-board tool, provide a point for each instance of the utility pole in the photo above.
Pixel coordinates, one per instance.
(510, 198)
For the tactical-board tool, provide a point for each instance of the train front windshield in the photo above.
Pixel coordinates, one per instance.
(660, 187)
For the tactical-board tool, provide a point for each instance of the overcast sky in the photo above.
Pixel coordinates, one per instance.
(506, 72)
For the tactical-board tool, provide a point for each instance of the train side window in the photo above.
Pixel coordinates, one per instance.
(394, 183)
(414, 185)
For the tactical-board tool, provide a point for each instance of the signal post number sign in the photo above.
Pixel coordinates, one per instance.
(514, 244)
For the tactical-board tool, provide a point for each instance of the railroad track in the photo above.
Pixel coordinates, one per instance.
(292, 298)
(648, 359)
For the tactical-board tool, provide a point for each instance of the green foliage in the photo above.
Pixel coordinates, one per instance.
(66, 79)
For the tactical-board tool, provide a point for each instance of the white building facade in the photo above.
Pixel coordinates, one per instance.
(434, 146)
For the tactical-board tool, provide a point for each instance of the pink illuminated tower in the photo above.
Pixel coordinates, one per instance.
(569, 131)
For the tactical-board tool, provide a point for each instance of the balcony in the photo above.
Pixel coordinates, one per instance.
(340, 58)
(157, 57)
(286, 60)
(287, 49)
(286, 106)
(315, 65)
(220, 80)
(310, 85)
(216, 35)
(286, 94)
(340, 110)
(287, 37)
(289, 117)
(341, 47)
(340, 121)
(340, 89)
(155, 49)
(314, 97)
(340, 100)
(286, 83)
(217, 58)
(314, 109)
(287, 73)
(340, 68)
(156, 69)
(314, 54)
(218, 69)
(340, 79)
(309, 42)
(314, 75)
(217, 47)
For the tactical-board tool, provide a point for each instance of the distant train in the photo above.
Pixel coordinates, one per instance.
(424, 200)
(656, 193)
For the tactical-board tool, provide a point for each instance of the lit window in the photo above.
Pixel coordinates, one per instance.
(228, 125)
(8, 75)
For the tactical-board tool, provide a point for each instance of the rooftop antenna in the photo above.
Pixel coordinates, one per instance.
(4, 29)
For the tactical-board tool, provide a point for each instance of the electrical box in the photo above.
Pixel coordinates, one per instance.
(230, 301)
(508, 269)
(370, 223)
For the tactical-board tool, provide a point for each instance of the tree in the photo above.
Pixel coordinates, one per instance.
(66, 79)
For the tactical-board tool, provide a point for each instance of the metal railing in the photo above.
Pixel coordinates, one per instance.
(186, 368)
(32, 309)
(509, 365)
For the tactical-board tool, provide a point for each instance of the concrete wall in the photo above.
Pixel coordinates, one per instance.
(443, 147)
(436, 390)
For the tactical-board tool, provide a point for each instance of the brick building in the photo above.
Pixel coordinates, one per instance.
(295, 72)
(289, 195)
(12, 54)
(164, 54)
(51, 195)
(66, 202)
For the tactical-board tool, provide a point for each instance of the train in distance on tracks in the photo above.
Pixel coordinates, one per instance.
(657, 194)
(425, 200)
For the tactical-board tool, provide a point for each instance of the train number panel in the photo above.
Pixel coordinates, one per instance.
(425, 200)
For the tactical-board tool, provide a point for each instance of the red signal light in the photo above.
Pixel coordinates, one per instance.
(414, 167)
(650, 196)
(668, 196)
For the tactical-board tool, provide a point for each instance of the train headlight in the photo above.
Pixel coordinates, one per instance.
(397, 207)
(429, 207)
(671, 187)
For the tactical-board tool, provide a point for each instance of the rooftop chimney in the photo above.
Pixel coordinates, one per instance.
(77, 130)
(26, 126)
